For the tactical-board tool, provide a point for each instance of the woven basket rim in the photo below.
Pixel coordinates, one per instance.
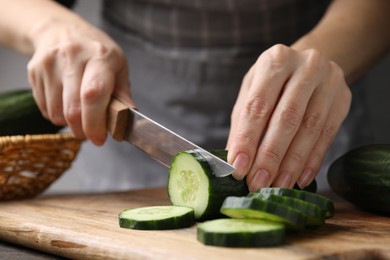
(30, 163)
(5, 140)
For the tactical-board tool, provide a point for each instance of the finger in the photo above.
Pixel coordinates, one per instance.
(96, 88)
(242, 95)
(299, 150)
(122, 87)
(52, 79)
(332, 125)
(267, 83)
(72, 77)
(36, 83)
(284, 124)
(309, 130)
(48, 71)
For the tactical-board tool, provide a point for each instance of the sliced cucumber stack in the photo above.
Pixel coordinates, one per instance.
(315, 215)
(315, 198)
(192, 183)
(157, 218)
(254, 208)
(240, 233)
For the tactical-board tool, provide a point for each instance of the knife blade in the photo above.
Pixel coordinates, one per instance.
(157, 141)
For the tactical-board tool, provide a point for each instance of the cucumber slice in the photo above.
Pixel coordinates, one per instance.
(157, 218)
(192, 183)
(321, 201)
(253, 208)
(241, 233)
(315, 215)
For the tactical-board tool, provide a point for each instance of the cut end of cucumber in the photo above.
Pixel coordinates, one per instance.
(186, 178)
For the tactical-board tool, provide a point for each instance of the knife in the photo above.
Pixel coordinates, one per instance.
(127, 124)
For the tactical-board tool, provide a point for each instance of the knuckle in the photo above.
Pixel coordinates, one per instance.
(290, 117)
(245, 140)
(314, 58)
(72, 115)
(277, 55)
(329, 133)
(68, 49)
(48, 60)
(271, 154)
(313, 123)
(94, 91)
(101, 48)
(296, 156)
(257, 108)
(315, 159)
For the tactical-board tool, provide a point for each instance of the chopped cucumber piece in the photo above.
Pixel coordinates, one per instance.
(253, 208)
(240, 233)
(157, 218)
(315, 216)
(321, 201)
(192, 183)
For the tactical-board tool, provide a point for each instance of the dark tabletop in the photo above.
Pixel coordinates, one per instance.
(12, 252)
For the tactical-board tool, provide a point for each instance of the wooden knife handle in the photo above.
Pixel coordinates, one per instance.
(117, 118)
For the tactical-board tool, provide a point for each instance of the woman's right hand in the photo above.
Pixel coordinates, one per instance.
(73, 72)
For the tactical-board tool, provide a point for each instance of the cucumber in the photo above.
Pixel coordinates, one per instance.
(254, 208)
(240, 233)
(157, 218)
(315, 215)
(312, 187)
(19, 115)
(321, 201)
(362, 177)
(192, 183)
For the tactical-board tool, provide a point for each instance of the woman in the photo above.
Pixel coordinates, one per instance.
(268, 76)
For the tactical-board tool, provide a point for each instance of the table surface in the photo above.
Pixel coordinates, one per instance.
(13, 251)
(57, 224)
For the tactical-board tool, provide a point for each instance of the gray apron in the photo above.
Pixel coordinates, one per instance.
(187, 60)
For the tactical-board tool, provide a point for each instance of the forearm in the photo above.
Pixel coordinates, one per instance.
(353, 33)
(23, 21)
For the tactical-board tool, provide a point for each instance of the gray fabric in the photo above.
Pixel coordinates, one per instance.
(187, 77)
(250, 24)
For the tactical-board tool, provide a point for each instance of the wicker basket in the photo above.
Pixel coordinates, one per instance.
(29, 164)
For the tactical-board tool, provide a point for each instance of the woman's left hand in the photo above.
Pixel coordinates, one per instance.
(290, 107)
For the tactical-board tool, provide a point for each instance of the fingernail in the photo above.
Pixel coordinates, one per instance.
(240, 163)
(283, 180)
(260, 180)
(306, 178)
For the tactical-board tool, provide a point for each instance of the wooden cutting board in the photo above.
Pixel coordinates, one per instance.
(86, 227)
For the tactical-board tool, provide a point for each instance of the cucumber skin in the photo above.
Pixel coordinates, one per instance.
(362, 177)
(321, 201)
(294, 219)
(315, 215)
(19, 115)
(276, 238)
(219, 189)
(187, 220)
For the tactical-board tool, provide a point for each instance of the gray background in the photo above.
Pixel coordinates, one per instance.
(13, 74)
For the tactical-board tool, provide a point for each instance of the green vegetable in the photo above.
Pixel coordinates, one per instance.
(157, 218)
(191, 183)
(240, 233)
(254, 208)
(317, 199)
(362, 177)
(315, 215)
(312, 187)
(19, 115)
